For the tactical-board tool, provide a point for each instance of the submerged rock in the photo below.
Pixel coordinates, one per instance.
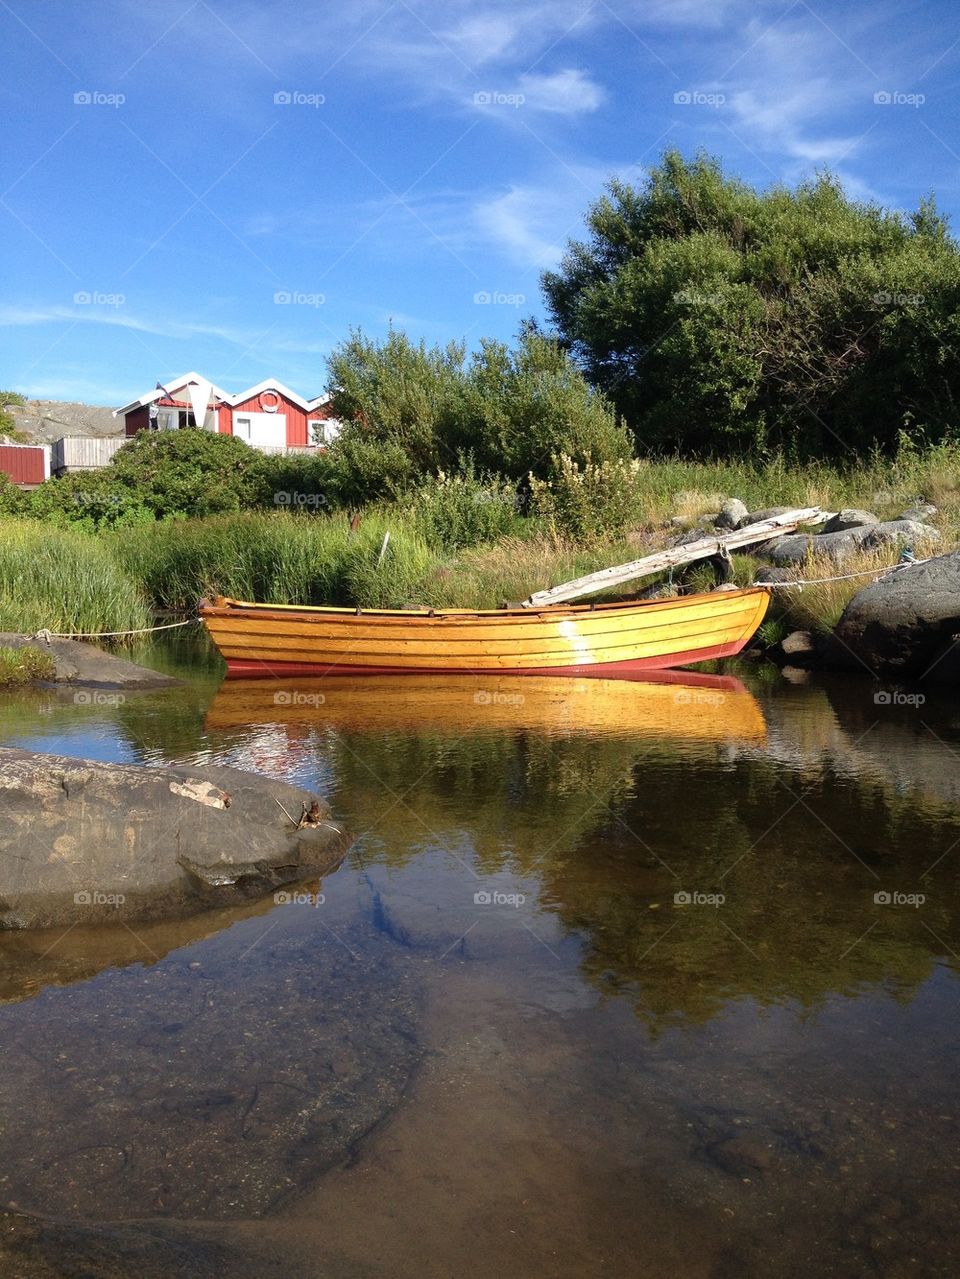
(797, 649)
(83, 840)
(78, 663)
(904, 624)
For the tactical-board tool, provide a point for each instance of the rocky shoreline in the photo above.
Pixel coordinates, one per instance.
(905, 624)
(76, 662)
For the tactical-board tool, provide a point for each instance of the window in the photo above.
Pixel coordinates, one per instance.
(241, 427)
(317, 431)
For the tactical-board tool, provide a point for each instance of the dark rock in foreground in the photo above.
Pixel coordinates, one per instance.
(905, 623)
(81, 840)
(80, 663)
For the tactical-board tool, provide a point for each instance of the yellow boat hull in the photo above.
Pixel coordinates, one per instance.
(581, 640)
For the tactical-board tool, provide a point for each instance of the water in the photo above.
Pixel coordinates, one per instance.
(617, 979)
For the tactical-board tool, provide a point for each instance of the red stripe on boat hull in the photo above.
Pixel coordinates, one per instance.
(246, 668)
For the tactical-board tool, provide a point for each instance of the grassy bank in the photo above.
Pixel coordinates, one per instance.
(452, 542)
(65, 580)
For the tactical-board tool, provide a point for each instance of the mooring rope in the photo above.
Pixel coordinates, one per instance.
(47, 636)
(875, 573)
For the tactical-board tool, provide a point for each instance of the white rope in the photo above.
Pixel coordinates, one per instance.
(875, 573)
(47, 636)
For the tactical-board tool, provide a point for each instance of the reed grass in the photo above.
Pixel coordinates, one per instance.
(289, 559)
(64, 580)
(677, 487)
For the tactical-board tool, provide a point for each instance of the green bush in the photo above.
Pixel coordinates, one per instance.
(305, 482)
(588, 502)
(367, 469)
(721, 319)
(9, 400)
(90, 499)
(13, 501)
(188, 473)
(411, 412)
(453, 511)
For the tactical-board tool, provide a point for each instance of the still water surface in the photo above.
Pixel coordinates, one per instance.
(617, 979)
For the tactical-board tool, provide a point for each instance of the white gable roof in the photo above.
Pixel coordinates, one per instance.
(269, 384)
(171, 386)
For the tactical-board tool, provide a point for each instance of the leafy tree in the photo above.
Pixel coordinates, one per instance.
(719, 318)
(410, 411)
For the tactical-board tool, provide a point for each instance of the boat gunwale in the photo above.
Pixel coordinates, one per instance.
(225, 607)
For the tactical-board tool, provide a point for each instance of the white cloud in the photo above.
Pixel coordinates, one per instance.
(566, 92)
(519, 224)
(482, 37)
(531, 223)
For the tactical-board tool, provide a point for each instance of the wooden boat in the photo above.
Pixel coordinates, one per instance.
(669, 705)
(569, 639)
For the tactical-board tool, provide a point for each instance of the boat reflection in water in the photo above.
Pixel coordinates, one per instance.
(675, 704)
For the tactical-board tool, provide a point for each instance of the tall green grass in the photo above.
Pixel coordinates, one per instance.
(66, 581)
(283, 558)
(670, 487)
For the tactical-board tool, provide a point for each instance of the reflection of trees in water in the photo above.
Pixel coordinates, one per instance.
(514, 794)
(799, 920)
(613, 828)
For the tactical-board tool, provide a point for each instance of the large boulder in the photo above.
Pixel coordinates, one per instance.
(766, 513)
(909, 532)
(843, 545)
(921, 512)
(795, 547)
(904, 623)
(731, 513)
(82, 841)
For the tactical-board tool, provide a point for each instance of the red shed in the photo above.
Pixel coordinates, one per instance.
(27, 465)
(268, 416)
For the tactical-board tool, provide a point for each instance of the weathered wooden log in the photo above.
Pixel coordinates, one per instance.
(649, 565)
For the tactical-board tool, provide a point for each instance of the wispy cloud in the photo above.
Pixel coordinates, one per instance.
(566, 92)
(120, 318)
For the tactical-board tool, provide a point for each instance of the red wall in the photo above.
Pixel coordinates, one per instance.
(22, 463)
(296, 418)
(136, 421)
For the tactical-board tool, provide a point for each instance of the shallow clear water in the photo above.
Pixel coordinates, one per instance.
(617, 979)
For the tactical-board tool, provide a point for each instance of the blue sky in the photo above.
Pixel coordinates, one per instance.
(231, 186)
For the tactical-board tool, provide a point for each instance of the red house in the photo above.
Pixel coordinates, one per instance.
(268, 416)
